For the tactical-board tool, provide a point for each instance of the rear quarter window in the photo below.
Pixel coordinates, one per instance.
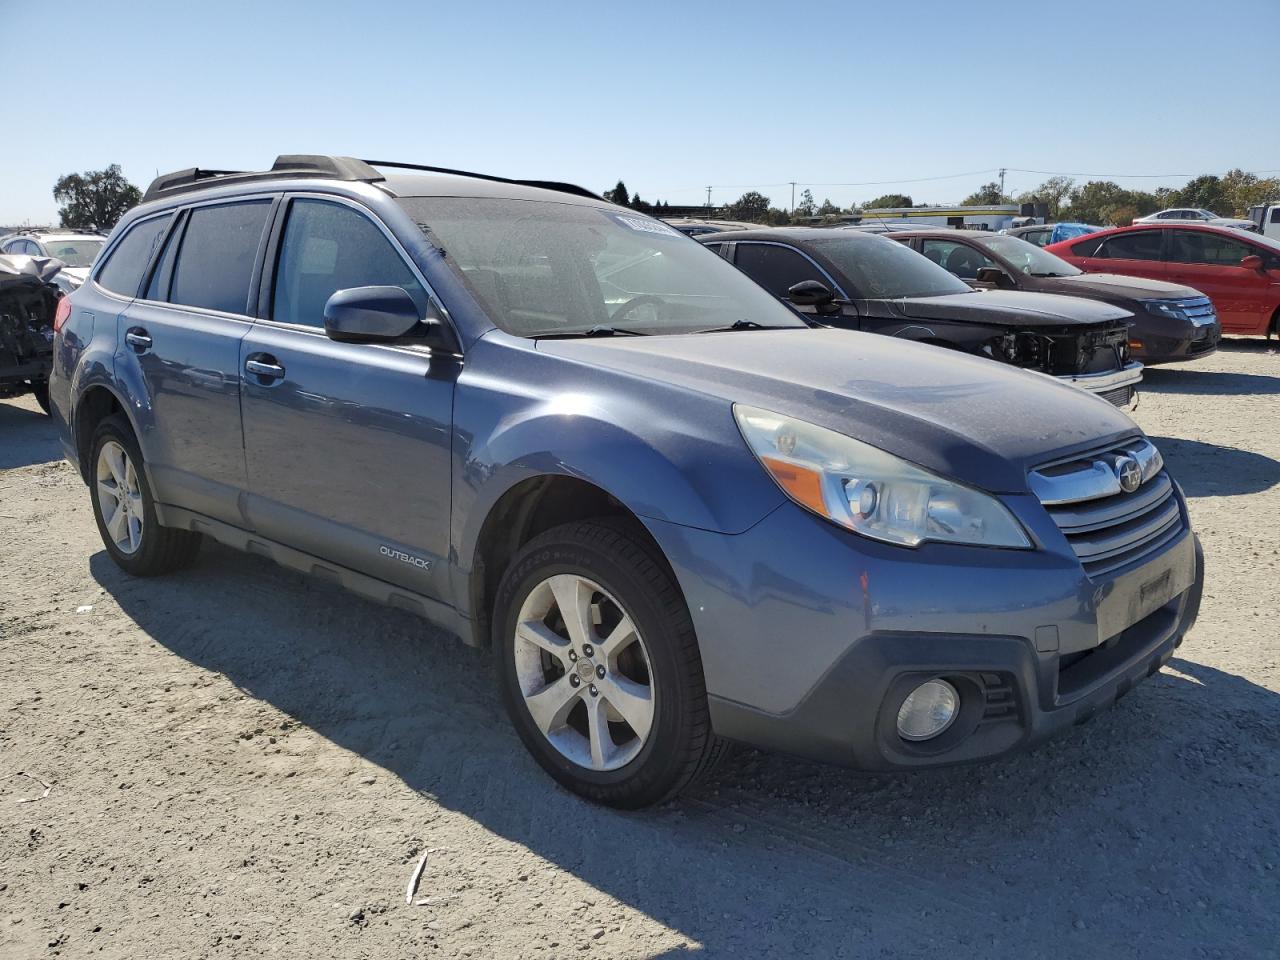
(128, 261)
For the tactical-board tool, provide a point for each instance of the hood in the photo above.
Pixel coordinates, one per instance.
(20, 268)
(961, 416)
(1135, 287)
(1014, 307)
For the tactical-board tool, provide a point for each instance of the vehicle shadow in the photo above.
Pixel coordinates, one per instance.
(1207, 382)
(27, 436)
(1211, 470)
(1150, 831)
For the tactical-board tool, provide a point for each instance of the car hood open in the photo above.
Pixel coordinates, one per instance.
(965, 417)
(1135, 287)
(1015, 307)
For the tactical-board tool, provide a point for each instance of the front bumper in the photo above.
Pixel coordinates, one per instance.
(812, 637)
(1192, 344)
(1118, 387)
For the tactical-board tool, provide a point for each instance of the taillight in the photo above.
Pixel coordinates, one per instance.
(62, 314)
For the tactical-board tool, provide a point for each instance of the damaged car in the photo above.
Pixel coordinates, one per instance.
(860, 281)
(29, 299)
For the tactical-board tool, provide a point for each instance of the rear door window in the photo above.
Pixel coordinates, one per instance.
(1143, 245)
(329, 247)
(128, 261)
(776, 268)
(215, 262)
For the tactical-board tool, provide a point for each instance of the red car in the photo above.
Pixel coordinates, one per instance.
(1238, 271)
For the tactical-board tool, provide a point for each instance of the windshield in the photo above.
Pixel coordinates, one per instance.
(1027, 257)
(542, 268)
(882, 269)
(74, 253)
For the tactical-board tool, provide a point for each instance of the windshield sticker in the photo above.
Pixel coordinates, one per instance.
(644, 225)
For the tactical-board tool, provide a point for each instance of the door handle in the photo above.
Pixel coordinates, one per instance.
(138, 338)
(263, 369)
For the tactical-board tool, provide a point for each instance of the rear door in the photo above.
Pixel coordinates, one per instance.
(1138, 253)
(1210, 262)
(348, 445)
(181, 339)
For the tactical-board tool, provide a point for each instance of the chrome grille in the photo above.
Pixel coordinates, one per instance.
(1108, 528)
(1199, 310)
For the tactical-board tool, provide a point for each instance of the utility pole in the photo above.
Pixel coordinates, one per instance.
(793, 194)
(708, 201)
(1002, 184)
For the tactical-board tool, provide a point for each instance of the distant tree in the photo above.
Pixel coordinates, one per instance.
(1051, 193)
(987, 193)
(638, 204)
(618, 194)
(777, 218)
(888, 200)
(1205, 191)
(95, 199)
(828, 209)
(751, 206)
(1243, 190)
(806, 206)
(1106, 202)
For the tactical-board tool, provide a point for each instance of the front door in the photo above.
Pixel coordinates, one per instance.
(182, 337)
(1210, 262)
(348, 445)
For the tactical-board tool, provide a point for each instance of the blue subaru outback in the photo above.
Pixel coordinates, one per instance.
(561, 429)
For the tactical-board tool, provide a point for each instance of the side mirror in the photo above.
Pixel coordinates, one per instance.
(994, 276)
(810, 293)
(370, 315)
(1251, 262)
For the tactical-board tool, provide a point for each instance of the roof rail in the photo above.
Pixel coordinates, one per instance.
(541, 184)
(286, 165)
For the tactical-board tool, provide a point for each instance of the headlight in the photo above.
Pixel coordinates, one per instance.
(1166, 308)
(872, 492)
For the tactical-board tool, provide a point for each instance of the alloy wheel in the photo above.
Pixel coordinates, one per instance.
(584, 672)
(119, 497)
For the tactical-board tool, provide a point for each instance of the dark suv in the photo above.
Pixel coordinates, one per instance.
(562, 429)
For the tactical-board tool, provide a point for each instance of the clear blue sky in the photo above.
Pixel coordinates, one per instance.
(669, 96)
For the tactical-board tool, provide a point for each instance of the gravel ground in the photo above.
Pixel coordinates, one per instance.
(246, 763)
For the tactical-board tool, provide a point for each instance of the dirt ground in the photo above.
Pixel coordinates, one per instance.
(244, 762)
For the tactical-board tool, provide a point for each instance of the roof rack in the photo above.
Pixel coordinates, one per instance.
(331, 168)
(286, 165)
(556, 185)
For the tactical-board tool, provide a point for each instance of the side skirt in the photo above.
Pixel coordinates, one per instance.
(441, 614)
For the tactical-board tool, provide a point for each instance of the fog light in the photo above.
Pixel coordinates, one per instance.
(930, 709)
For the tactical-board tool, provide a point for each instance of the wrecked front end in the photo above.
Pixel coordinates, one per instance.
(1095, 357)
(28, 301)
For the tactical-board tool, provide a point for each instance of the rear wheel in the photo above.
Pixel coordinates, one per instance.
(599, 666)
(125, 509)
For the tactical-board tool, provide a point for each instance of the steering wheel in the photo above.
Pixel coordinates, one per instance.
(636, 301)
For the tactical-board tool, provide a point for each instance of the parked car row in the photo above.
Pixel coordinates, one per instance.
(679, 511)
(863, 281)
(76, 251)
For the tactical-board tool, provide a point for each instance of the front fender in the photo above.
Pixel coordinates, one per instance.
(678, 459)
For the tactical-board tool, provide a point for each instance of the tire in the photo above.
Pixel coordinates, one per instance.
(40, 390)
(156, 550)
(679, 744)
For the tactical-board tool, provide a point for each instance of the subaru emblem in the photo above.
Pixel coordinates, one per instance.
(1129, 473)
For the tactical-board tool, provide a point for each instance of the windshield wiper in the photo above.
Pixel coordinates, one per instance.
(599, 330)
(745, 325)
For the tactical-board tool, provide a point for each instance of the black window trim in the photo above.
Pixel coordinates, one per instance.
(270, 263)
(835, 287)
(105, 255)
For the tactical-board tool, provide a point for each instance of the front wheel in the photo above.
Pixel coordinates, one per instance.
(599, 666)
